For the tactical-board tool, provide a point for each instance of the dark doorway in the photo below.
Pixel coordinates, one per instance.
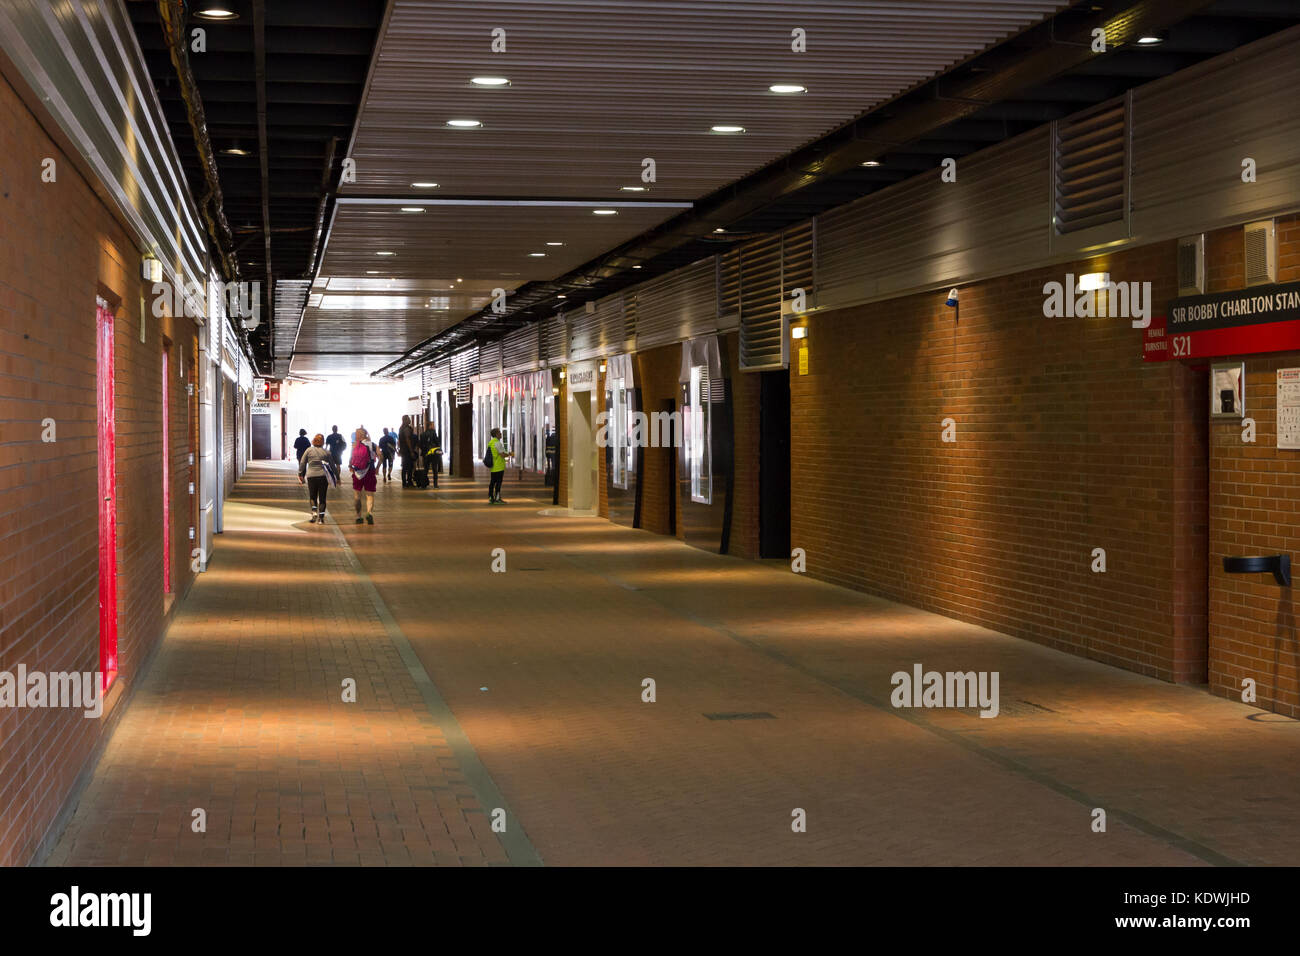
(774, 465)
(262, 437)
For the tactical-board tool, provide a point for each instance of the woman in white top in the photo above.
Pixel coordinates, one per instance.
(311, 466)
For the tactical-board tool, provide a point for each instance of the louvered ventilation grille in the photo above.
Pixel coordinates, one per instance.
(629, 317)
(1091, 162)
(729, 282)
(762, 338)
(1259, 259)
(1191, 273)
(463, 365)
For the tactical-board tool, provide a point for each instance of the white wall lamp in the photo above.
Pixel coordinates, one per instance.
(1092, 281)
(799, 332)
(602, 368)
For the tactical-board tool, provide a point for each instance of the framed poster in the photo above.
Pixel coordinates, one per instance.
(1227, 389)
(1288, 408)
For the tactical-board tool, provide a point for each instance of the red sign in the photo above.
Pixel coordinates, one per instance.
(272, 391)
(1159, 346)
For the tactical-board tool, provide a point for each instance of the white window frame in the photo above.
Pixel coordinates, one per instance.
(699, 444)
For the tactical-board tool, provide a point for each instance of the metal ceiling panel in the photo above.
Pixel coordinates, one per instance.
(596, 88)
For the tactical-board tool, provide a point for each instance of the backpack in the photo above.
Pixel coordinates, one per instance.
(489, 458)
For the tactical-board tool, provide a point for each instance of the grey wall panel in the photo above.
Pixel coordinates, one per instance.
(593, 334)
(1192, 131)
(925, 232)
(81, 59)
(679, 305)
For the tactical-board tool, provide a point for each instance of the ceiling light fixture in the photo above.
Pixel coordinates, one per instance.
(787, 88)
(872, 162)
(537, 255)
(633, 189)
(636, 267)
(234, 149)
(385, 253)
(728, 129)
(412, 209)
(216, 13)
(604, 212)
(490, 81)
(425, 185)
(463, 123)
(555, 243)
(1150, 40)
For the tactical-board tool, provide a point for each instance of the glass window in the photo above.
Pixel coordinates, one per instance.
(698, 436)
(620, 459)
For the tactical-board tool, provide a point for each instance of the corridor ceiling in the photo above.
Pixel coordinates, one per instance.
(594, 89)
(543, 193)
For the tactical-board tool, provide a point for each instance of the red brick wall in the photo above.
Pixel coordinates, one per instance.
(59, 248)
(1064, 444)
(1254, 510)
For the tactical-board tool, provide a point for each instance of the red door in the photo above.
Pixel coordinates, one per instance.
(166, 474)
(107, 497)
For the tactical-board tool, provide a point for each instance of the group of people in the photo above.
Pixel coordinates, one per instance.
(421, 454)
(320, 463)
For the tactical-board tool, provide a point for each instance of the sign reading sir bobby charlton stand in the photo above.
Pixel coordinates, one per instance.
(1264, 318)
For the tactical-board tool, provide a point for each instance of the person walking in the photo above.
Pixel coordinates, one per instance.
(311, 470)
(301, 443)
(335, 442)
(364, 464)
(499, 457)
(431, 451)
(387, 449)
(407, 447)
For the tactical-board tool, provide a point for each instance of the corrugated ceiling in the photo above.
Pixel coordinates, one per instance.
(595, 88)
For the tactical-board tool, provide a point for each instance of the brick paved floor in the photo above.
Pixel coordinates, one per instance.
(549, 694)
(242, 715)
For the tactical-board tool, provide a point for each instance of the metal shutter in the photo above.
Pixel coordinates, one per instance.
(521, 349)
(762, 326)
(1090, 168)
(679, 305)
(555, 340)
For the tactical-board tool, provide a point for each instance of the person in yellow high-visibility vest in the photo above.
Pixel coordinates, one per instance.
(499, 456)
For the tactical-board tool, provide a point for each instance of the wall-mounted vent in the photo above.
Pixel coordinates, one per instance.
(1191, 265)
(1261, 252)
(1090, 168)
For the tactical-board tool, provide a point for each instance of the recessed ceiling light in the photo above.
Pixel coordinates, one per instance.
(636, 267)
(412, 209)
(604, 212)
(425, 185)
(728, 129)
(1150, 40)
(464, 123)
(236, 150)
(872, 162)
(537, 255)
(385, 253)
(460, 280)
(561, 296)
(633, 189)
(490, 81)
(215, 13)
(719, 229)
(787, 88)
(555, 243)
